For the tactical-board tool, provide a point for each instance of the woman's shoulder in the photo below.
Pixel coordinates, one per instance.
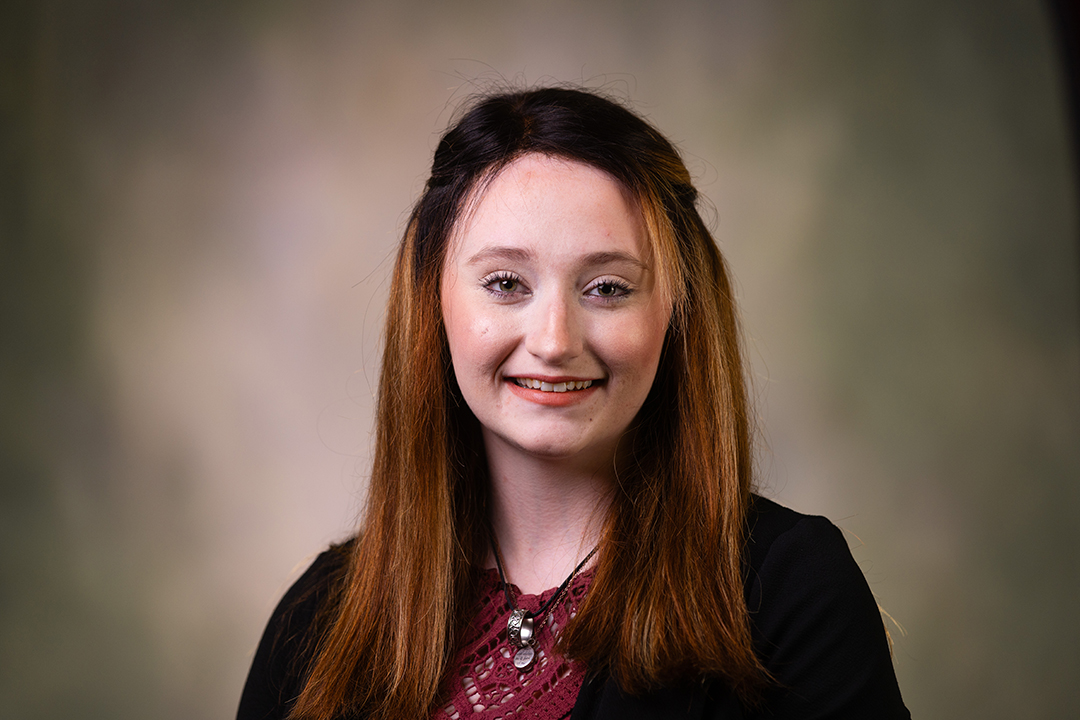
(291, 636)
(816, 629)
(771, 526)
(800, 554)
(816, 624)
(328, 567)
(301, 604)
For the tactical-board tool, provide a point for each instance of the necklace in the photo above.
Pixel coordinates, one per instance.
(521, 627)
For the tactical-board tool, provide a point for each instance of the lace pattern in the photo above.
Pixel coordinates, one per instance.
(483, 682)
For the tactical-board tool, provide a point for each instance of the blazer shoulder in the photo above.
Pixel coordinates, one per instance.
(816, 625)
(287, 643)
(768, 521)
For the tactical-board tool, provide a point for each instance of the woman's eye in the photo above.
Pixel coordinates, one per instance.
(503, 285)
(609, 290)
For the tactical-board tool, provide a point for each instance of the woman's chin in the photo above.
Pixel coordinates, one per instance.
(553, 447)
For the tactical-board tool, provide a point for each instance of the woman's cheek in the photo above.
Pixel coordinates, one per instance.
(491, 340)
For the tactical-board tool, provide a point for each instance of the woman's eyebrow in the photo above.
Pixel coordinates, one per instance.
(613, 256)
(516, 254)
(500, 253)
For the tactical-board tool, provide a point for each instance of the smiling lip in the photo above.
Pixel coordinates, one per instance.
(556, 392)
(551, 385)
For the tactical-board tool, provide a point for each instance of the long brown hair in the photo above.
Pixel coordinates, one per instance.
(666, 603)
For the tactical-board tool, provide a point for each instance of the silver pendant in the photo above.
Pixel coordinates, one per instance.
(523, 658)
(519, 628)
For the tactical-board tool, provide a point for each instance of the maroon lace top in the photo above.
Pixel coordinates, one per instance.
(482, 681)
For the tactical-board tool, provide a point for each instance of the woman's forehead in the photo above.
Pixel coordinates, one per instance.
(537, 194)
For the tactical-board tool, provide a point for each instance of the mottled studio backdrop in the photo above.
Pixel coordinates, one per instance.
(199, 203)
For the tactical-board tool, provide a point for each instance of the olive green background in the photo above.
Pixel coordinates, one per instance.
(198, 206)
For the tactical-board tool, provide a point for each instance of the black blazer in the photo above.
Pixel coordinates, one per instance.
(816, 627)
(815, 624)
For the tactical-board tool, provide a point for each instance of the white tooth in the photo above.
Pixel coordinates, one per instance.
(553, 387)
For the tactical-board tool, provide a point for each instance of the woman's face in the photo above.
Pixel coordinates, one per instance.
(552, 309)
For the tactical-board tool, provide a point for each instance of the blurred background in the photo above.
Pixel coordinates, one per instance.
(199, 203)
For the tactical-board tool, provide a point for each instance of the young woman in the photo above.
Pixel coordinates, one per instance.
(560, 520)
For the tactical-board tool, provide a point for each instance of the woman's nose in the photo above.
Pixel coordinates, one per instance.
(554, 332)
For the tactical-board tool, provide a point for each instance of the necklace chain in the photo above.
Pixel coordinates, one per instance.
(521, 628)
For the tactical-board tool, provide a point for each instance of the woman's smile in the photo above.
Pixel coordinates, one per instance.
(553, 314)
(558, 386)
(552, 393)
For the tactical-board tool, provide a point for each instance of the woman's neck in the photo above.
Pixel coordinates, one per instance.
(547, 515)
